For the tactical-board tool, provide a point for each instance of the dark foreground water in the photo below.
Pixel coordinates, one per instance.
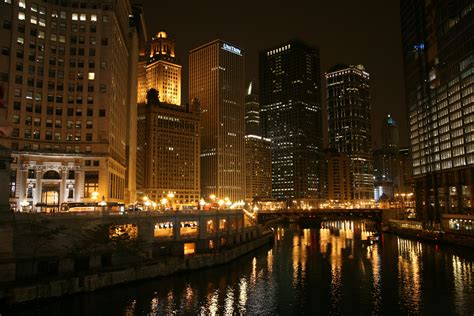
(331, 269)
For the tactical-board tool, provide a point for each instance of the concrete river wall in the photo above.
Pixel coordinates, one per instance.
(49, 256)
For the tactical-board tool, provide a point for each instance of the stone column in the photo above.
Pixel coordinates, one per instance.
(78, 185)
(62, 186)
(39, 186)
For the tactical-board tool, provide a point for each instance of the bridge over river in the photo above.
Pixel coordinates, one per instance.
(375, 214)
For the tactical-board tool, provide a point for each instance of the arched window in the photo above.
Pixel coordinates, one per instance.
(51, 175)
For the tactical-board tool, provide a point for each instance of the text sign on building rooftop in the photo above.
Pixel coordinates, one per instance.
(231, 49)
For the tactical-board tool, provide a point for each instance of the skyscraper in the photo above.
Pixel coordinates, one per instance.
(348, 100)
(258, 151)
(437, 43)
(387, 172)
(216, 79)
(252, 111)
(337, 178)
(168, 151)
(68, 76)
(290, 101)
(163, 73)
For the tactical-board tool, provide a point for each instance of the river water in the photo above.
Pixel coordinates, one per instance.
(327, 269)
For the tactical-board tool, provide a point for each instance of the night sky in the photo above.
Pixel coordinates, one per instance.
(346, 31)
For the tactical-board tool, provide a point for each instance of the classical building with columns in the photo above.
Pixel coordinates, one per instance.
(68, 82)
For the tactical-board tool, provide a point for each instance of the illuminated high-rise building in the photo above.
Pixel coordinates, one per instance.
(290, 103)
(168, 151)
(258, 151)
(437, 46)
(216, 79)
(68, 75)
(160, 70)
(348, 101)
(252, 111)
(336, 177)
(387, 172)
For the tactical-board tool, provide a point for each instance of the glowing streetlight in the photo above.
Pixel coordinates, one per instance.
(202, 203)
(221, 202)
(103, 203)
(154, 205)
(212, 197)
(24, 204)
(164, 201)
(94, 196)
(147, 204)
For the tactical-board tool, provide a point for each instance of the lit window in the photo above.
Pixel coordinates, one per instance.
(40, 34)
(34, 8)
(105, 18)
(34, 20)
(74, 16)
(91, 76)
(93, 18)
(42, 22)
(22, 4)
(8, 1)
(21, 16)
(20, 40)
(83, 17)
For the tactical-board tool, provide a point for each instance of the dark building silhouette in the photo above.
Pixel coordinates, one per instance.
(438, 60)
(290, 101)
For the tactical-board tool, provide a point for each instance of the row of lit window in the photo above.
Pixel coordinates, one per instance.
(59, 111)
(49, 147)
(59, 98)
(36, 134)
(49, 123)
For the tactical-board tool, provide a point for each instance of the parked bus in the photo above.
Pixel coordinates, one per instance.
(92, 206)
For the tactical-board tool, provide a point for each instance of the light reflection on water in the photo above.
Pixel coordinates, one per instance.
(332, 268)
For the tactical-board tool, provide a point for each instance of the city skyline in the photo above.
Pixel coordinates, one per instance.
(359, 34)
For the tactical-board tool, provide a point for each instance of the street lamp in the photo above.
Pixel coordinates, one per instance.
(24, 204)
(202, 203)
(164, 201)
(221, 202)
(154, 205)
(103, 203)
(94, 196)
(147, 204)
(170, 198)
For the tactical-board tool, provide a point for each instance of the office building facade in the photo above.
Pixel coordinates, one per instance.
(258, 151)
(348, 100)
(387, 172)
(290, 111)
(168, 152)
(217, 80)
(336, 178)
(68, 78)
(437, 46)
